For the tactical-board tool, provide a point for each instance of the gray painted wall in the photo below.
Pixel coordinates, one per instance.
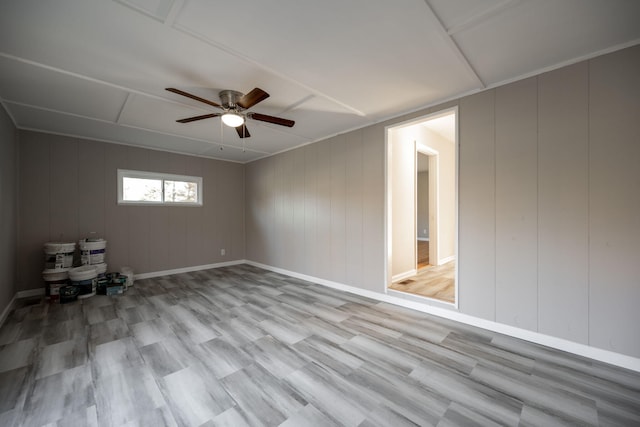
(8, 208)
(319, 209)
(549, 204)
(68, 189)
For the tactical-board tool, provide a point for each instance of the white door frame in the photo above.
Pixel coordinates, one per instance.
(388, 199)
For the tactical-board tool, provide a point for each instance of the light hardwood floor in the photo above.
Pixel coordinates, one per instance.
(431, 281)
(240, 346)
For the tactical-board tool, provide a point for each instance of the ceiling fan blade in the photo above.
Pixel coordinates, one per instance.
(252, 98)
(243, 132)
(197, 98)
(271, 119)
(193, 119)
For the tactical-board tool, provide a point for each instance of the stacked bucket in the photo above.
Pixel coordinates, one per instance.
(93, 268)
(82, 280)
(58, 260)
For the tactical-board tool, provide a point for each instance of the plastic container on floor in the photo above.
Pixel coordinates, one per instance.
(59, 255)
(92, 251)
(85, 278)
(54, 279)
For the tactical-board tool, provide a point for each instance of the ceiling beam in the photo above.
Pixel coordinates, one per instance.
(446, 37)
(476, 19)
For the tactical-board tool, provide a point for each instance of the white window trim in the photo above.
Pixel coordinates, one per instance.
(125, 173)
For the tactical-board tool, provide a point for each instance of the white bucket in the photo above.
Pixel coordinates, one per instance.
(101, 269)
(58, 255)
(85, 279)
(54, 279)
(92, 251)
(127, 271)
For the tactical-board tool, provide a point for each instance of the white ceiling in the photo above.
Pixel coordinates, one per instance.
(97, 69)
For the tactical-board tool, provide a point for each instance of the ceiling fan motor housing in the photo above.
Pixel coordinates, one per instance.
(229, 99)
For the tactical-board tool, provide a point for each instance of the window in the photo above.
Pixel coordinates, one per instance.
(150, 188)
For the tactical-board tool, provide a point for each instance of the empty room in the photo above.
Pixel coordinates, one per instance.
(304, 213)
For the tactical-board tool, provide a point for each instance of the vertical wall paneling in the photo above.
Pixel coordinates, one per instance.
(209, 218)
(116, 218)
(310, 202)
(286, 213)
(476, 195)
(323, 210)
(82, 197)
(196, 245)
(158, 219)
(8, 209)
(63, 179)
(91, 182)
(139, 230)
(337, 167)
(563, 200)
(516, 204)
(236, 221)
(353, 199)
(178, 219)
(34, 208)
(614, 201)
(298, 204)
(373, 167)
(253, 213)
(266, 212)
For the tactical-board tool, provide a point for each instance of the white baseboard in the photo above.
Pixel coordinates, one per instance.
(30, 293)
(21, 294)
(621, 360)
(402, 276)
(624, 361)
(447, 259)
(423, 239)
(7, 310)
(187, 269)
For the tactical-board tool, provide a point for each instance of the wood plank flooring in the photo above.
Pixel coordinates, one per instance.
(423, 254)
(240, 346)
(433, 281)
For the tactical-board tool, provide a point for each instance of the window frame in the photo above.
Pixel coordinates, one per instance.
(127, 173)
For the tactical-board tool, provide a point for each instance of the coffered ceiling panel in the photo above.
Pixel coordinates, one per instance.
(28, 84)
(338, 48)
(533, 35)
(99, 69)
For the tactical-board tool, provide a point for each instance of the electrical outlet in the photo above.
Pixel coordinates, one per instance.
(223, 252)
(424, 231)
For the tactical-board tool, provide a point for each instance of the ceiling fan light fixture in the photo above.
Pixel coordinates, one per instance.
(232, 119)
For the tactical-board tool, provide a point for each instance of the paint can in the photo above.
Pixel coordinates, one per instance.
(101, 270)
(85, 279)
(58, 255)
(92, 251)
(68, 294)
(116, 284)
(54, 279)
(127, 271)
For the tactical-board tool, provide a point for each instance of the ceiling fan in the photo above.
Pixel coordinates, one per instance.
(234, 105)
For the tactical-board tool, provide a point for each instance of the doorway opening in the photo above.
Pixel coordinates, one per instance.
(422, 207)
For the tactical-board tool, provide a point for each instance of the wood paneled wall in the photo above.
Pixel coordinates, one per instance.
(318, 210)
(549, 204)
(8, 209)
(68, 189)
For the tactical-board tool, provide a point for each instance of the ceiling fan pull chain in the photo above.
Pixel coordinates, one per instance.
(221, 137)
